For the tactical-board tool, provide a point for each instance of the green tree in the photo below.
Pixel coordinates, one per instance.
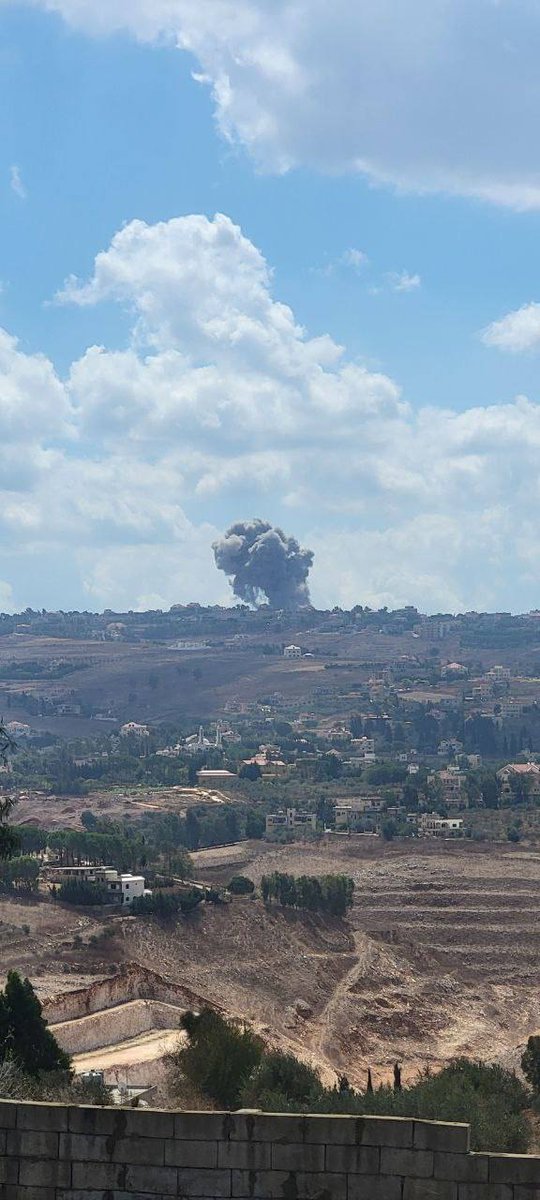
(24, 1037)
(240, 885)
(9, 839)
(530, 1063)
(219, 1057)
(281, 1083)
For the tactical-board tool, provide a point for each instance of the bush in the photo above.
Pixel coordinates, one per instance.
(166, 905)
(240, 885)
(219, 1058)
(282, 1084)
(530, 1063)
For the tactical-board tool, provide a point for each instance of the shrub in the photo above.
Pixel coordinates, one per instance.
(281, 1083)
(240, 885)
(219, 1057)
(530, 1063)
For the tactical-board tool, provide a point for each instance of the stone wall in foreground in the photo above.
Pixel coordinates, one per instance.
(52, 1152)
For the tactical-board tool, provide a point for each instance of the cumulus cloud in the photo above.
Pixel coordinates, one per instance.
(428, 95)
(222, 405)
(517, 331)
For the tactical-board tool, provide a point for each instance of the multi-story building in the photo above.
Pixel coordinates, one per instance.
(122, 887)
(290, 818)
(431, 825)
(292, 652)
(351, 814)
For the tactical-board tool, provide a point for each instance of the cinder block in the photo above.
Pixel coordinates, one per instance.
(418, 1164)
(261, 1185)
(9, 1170)
(298, 1156)
(514, 1169)
(121, 1122)
(33, 1115)
(105, 1176)
(3, 1141)
(32, 1143)
(275, 1185)
(430, 1189)
(87, 1147)
(192, 1154)
(8, 1114)
(44, 1172)
(328, 1130)
(485, 1191)
(247, 1156)
(265, 1127)
(204, 1183)
(357, 1160)
(153, 1179)
(148, 1123)
(384, 1131)
(526, 1193)
(84, 1194)
(14, 1191)
(462, 1168)
(435, 1135)
(373, 1187)
(202, 1126)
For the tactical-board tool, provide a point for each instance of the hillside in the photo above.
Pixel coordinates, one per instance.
(439, 957)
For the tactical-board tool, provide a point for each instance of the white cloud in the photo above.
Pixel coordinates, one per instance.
(428, 95)
(517, 331)
(401, 281)
(16, 183)
(223, 407)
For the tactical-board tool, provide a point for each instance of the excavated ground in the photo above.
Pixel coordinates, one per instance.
(439, 956)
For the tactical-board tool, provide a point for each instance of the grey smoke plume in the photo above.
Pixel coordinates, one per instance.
(262, 561)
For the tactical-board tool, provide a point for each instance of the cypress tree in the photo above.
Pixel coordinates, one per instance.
(24, 1036)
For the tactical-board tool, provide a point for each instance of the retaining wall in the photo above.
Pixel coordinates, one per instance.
(52, 1152)
(113, 1025)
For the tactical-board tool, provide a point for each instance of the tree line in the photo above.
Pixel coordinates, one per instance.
(330, 894)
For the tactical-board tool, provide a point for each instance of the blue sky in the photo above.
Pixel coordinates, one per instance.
(387, 193)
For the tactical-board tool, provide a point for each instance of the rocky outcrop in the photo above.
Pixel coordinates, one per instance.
(132, 982)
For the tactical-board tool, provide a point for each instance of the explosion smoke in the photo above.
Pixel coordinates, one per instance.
(262, 561)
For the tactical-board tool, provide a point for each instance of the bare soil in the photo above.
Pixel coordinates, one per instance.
(438, 957)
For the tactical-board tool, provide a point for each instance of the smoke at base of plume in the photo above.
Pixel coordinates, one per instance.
(262, 562)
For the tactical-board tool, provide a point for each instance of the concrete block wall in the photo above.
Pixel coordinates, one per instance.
(54, 1152)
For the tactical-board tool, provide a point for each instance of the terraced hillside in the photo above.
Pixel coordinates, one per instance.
(446, 950)
(439, 956)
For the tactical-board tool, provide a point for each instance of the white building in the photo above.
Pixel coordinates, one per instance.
(431, 825)
(292, 652)
(122, 887)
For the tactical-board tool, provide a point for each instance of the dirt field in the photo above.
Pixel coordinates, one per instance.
(145, 1048)
(439, 956)
(64, 812)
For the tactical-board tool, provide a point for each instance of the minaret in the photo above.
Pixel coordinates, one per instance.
(219, 737)
(200, 739)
